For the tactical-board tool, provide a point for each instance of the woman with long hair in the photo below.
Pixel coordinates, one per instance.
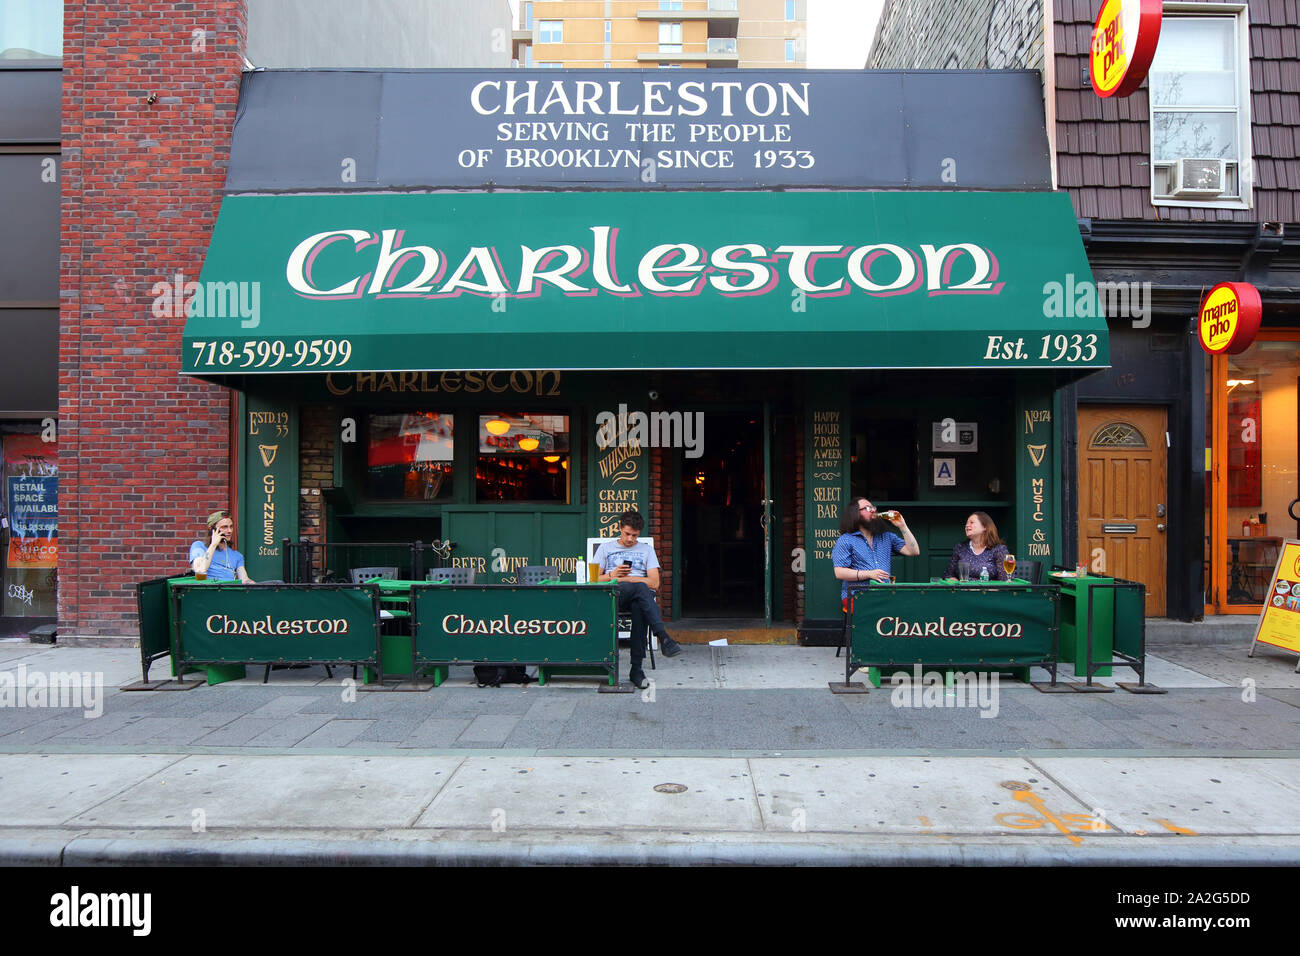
(981, 549)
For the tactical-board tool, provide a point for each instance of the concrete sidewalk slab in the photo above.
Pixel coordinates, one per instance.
(40, 790)
(1192, 795)
(595, 792)
(903, 795)
(254, 792)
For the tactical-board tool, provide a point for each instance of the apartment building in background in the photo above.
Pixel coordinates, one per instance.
(701, 34)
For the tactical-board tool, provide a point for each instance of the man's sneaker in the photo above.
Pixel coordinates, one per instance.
(636, 677)
(669, 647)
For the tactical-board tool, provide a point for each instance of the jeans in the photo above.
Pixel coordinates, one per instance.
(640, 600)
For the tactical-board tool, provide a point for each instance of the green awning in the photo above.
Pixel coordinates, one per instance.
(569, 281)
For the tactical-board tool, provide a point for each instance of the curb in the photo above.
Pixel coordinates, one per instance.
(152, 851)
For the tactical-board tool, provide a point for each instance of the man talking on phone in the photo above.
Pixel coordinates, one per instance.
(218, 560)
(634, 566)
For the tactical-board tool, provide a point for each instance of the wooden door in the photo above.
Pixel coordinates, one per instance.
(1123, 495)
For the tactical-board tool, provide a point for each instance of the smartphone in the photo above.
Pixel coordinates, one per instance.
(627, 564)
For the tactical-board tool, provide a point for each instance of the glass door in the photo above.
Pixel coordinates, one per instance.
(1255, 461)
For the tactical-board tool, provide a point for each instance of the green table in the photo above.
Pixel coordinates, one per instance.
(1074, 620)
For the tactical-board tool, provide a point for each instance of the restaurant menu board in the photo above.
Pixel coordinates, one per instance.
(620, 473)
(824, 491)
(1279, 622)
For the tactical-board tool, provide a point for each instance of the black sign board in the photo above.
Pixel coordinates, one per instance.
(639, 129)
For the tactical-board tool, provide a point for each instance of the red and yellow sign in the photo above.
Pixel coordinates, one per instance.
(1279, 622)
(1229, 318)
(1123, 45)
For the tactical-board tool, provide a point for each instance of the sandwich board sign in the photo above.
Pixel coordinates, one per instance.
(1279, 622)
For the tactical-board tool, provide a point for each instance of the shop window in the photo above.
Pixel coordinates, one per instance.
(1200, 112)
(409, 456)
(31, 499)
(522, 458)
(1117, 435)
(30, 30)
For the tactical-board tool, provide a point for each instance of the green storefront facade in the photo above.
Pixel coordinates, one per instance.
(511, 371)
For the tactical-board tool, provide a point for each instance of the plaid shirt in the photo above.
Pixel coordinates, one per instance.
(852, 551)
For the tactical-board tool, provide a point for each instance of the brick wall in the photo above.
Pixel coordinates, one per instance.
(316, 433)
(143, 451)
(966, 35)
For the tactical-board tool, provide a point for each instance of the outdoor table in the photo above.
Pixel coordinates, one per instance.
(985, 625)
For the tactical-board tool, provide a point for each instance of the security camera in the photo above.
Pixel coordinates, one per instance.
(654, 396)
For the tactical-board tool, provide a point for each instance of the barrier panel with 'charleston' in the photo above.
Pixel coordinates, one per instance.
(553, 626)
(275, 624)
(978, 626)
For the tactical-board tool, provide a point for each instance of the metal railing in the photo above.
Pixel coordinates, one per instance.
(725, 6)
(315, 562)
(722, 45)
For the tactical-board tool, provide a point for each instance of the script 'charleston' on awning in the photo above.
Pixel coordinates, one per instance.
(817, 280)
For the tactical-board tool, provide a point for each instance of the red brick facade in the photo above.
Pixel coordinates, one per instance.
(149, 96)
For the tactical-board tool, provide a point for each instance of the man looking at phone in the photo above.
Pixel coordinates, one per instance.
(633, 565)
(217, 560)
(867, 545)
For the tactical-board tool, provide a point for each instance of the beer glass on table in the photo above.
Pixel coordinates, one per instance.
(1009, 564)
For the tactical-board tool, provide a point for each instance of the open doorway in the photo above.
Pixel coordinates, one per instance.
(721, 519)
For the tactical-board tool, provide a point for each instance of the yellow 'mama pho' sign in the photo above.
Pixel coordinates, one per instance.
(1279, 622)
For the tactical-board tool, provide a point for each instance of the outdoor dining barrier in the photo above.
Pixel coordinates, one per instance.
(154, 608)
(1127, 640)
(560, 628)
(986, 626)
(224, 627)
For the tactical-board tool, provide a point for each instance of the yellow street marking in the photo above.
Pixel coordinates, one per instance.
(1176, 829)
(1028, 796)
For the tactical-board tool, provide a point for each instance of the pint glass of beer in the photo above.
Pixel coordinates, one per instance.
(1009, 565)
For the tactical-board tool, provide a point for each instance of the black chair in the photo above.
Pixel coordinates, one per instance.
(452, 576)
(531, 575)
(1031, 571)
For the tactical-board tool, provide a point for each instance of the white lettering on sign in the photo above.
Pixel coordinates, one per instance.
(267, 626)
(667, 269)
(507, 626)
(897, 627)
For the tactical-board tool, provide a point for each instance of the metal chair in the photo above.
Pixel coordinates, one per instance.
(1031, 571)
(531, 575)
(362, 575)
(453, 576)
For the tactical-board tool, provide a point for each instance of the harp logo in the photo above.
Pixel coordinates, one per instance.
(268, 454)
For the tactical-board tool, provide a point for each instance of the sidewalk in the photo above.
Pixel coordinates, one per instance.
(775, 769)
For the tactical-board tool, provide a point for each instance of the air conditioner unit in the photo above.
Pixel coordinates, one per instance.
(1196, 178)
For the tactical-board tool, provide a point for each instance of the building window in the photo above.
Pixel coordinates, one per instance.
(522, 457)
(609, 31)
(1200, 122)
(409, 456)
(789, 51)
(31, 30)
(550, 31)
(789, 9)
(670, 4)
(550, 65)
(670, 38)
(528, 55)
(528, 16)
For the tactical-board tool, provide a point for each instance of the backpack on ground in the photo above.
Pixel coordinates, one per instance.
(492, 675)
